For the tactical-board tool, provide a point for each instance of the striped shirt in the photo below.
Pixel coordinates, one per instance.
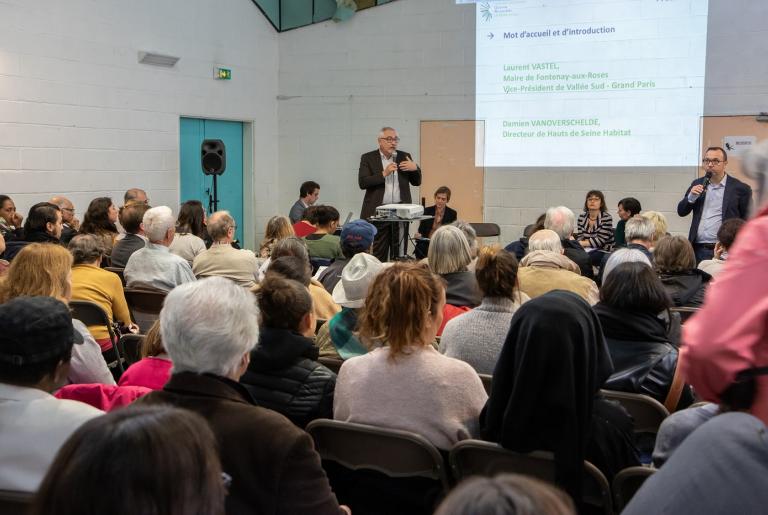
(600, 235)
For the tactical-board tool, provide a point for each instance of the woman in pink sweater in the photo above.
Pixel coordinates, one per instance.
(404, 383)
(154, 369)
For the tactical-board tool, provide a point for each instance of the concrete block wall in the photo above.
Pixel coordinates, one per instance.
(79, 115)
(414, 60)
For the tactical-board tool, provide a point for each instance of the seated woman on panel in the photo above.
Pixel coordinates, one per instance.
(594, 228)
(443, 215)
(545, 392)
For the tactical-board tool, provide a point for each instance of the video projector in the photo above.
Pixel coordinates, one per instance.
(404, 211)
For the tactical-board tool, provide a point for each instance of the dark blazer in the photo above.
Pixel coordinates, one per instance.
(736, 200)
(124, 248)
(425, 226)
(370, 179)
(274, 466)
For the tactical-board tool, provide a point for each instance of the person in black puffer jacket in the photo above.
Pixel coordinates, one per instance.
(631, 300)
(675, 263)
(283, 374)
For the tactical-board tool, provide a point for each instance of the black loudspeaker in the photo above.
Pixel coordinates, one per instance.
(213, 157)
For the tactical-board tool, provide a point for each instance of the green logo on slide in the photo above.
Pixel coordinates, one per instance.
(485, 11)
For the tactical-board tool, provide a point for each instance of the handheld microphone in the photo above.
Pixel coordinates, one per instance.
(707, 180)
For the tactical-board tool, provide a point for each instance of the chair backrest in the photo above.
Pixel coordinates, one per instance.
(92, 314)
(627, 483)
(485, 229)
(647, 412)
(332, 363)
(145, 305)
(118, 271)
(15, 503)
(486, 379)
(478, 458)
(389, 451)
(130, 347)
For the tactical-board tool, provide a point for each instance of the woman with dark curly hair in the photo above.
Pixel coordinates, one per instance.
(99, 220)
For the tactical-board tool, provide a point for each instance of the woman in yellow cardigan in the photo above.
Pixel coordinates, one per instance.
(94, 284)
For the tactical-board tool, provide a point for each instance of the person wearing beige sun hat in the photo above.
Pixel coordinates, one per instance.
(336, 338)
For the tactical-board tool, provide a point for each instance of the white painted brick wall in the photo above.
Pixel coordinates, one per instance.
(80, 116)
(413, 60)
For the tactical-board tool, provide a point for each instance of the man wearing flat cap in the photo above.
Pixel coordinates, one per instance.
(36, 338)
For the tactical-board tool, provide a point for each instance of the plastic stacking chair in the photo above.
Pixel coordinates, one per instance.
(627, 483)
(475, 457)
(92, 314)
(130, 347)
(647, 412)
(145, 305)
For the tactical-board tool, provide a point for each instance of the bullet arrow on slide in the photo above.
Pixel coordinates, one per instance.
(490, 35)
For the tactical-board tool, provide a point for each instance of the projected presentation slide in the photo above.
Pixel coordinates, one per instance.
(590, 83)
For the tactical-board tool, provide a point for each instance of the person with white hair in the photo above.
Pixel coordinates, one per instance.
(449, 256)
(545, 268)
(640, 233)
(154, 265)
(209, 329)
(563, 221)
(222, 258)
(624, 255)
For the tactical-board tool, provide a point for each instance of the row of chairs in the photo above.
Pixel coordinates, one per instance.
(401, 454)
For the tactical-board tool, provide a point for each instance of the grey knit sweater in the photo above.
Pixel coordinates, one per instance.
(478, 335)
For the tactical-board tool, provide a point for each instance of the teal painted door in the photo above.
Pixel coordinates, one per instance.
(194, 184)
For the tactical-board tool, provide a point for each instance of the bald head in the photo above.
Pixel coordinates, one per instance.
(136, 195)
(66, 207)
(545, 239)
(221, 227)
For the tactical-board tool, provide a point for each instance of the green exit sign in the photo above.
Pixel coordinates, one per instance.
(223, 74)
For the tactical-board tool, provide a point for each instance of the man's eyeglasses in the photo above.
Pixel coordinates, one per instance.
(711, 162)
(390, 139)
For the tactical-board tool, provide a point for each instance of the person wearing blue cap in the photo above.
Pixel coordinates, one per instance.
(356, 237)
(36, 339)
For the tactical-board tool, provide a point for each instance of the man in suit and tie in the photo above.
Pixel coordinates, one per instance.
(386, 175)
(713, 198)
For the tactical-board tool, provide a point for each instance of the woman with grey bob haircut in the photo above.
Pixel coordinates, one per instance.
(449, 254)
(86, 248)
(209, 326)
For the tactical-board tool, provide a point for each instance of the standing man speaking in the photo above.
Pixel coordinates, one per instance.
(385, 175)
(713, 198)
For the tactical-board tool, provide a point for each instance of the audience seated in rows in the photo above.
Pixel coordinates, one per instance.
(323, 305)
(639, 232)
(476, 337)
(323, 243)
(70, 223)
(209, 328)
(283, 374)
(167, 459)
(404, 383)
(222, 259)
(154, 266)
(36, 340)
(93, 284)
(562, 220)
(188, 242)
(10, 220)
(545, 392)
(506, 494)
(545, 268)
(675, 263)
(278, 227)
(337, 338)
(627, 208)
(44, 269)
(726, 235)
(356, 237)
(719, 468)
(43, 225)
(154, 368)
(99, 220)
(131, 218)
(644, 361)
(449, 255)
